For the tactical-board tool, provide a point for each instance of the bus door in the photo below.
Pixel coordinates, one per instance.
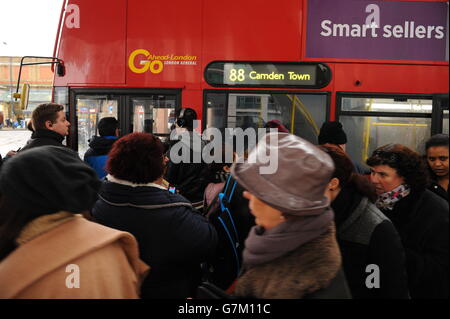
(373, 120)
(440, 113)
(151, 111)
(302, 113)
(90, 109)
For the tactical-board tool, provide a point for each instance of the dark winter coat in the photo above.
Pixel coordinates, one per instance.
(367, 237)
(173, 239)
(42, 138)
(97, 154)
(311, 271)
(438, 190)
(422, 220)
(188, 177)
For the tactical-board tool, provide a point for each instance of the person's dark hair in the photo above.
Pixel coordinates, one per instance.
(405, 161)
(30, 126)
(344, 171)
(137, 158)
(437, 140)
(186, 118)
(12, 221)
(107, 126)
(45, 112)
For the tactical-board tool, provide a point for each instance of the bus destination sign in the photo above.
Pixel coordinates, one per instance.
(263, 74)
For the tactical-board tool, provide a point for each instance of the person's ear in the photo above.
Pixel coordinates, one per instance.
(48, 125)
(333, 184)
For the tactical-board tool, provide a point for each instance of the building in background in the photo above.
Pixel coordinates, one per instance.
(40, 77)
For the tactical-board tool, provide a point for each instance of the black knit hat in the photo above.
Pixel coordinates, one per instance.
(48, 179)
(332, 133)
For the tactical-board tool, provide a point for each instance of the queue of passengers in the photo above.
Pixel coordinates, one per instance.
(316, 229)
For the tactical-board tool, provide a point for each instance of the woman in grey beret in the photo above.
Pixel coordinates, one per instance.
(292, 251)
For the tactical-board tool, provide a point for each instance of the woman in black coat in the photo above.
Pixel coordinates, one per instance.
(436, 149)
(174, 239)
(366, 236)
(420, 216)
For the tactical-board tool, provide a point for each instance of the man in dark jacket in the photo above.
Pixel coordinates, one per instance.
(188, 176)
(50, 126)
(99, 146)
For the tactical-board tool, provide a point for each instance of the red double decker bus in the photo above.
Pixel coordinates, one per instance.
(379, 67)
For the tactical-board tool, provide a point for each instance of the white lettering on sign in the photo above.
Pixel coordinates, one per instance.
(406, 30)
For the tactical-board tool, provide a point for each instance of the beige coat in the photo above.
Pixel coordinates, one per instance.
(107, 260)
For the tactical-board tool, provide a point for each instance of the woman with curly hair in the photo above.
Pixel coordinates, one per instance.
(421, 217)
(437, 159)
(365, 235)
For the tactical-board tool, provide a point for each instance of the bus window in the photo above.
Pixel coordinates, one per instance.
(153, 114)
(90, 109)
(401, 105)
(366, 133)
(301, 114)
(216, 110)
(371, 122)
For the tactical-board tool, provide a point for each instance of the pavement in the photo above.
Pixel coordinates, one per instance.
(13, 139)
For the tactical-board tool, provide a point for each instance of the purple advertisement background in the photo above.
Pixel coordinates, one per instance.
(392, 13)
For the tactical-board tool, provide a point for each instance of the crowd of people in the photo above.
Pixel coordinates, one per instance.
(129, 222)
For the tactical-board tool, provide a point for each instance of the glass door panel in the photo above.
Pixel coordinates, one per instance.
(89, 110)
(153, 114)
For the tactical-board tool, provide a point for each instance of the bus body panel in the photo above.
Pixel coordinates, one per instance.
(252, 30)
(421, 79)
(94, 51)
(170, 30)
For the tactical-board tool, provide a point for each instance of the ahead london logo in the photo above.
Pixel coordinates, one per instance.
(141, 61)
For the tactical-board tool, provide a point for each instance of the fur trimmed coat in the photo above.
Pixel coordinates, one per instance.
(310, 269)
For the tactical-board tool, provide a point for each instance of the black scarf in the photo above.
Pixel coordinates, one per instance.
(47, 134)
